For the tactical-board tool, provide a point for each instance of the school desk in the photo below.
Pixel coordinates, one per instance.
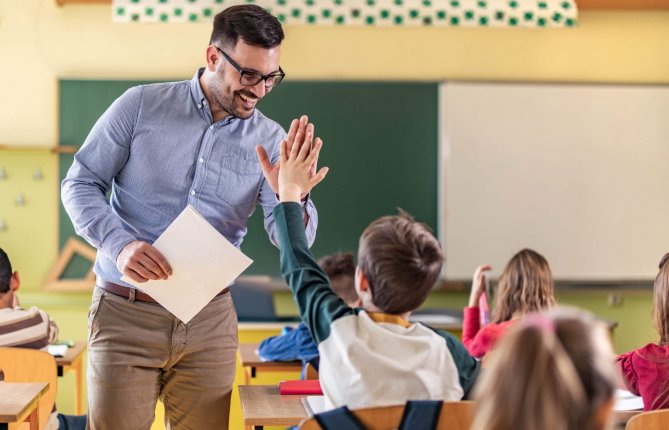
(262, 405)
(252, 364)
(73, 359)
(19, 402)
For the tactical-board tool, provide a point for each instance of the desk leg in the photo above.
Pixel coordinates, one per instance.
(33, 419)
(76, 367)
(247, 375)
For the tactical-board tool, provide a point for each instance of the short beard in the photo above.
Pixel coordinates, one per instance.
(228, 103)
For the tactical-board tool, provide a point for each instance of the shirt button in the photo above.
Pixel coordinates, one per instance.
(211, 127)
(199, 106)
(192, 192)
(204, 102)
(201, 160)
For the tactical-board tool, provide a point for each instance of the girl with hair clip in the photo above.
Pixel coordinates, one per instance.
(646, 370)
(552, 372)
(526, 285)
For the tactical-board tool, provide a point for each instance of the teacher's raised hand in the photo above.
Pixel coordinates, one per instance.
(300, 132)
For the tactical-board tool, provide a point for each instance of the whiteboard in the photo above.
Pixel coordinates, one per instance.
(579, 173)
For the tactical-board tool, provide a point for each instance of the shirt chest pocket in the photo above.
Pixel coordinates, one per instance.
(239, 180)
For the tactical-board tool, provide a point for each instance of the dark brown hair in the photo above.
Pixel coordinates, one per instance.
(5, 272)
(526, 285)
(250, 22)
(401, 260)
(340, 268)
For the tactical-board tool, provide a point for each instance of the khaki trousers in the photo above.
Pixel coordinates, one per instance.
(138, 352)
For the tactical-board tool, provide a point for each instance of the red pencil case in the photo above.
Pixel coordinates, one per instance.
(310, 386)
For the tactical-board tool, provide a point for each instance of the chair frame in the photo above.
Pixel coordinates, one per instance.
(651, 420)
(453, 416)
(32, 365)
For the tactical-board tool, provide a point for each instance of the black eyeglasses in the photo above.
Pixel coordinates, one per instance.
(251, 78)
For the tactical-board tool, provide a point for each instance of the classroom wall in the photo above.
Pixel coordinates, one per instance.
(41, 42)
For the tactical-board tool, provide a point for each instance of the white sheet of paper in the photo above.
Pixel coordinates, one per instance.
(57, 350)
(626, 401)
(203, 263)
(314, 404)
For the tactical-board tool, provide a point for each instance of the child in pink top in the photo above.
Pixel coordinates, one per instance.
(646, 370)
(526, 285)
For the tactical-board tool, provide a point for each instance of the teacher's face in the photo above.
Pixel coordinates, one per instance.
(228, 89)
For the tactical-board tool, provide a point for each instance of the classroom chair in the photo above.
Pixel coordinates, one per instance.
(31, 365)
(453, 416)
(652, 420)
(310, 372)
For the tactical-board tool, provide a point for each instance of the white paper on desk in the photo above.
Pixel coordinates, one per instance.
(626, 401)
(203, 263)
(314, 404)
(57, 350)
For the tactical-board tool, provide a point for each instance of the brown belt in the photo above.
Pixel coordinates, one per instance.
(121, 291)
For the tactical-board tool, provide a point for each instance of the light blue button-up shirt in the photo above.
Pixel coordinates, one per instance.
(158, 150)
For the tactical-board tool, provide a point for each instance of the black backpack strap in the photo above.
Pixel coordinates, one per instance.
(339, 419)
(421, 415)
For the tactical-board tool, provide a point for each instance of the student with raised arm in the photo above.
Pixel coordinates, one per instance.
(526, 285)
(370, 355)
(552, 371)
(646, 370)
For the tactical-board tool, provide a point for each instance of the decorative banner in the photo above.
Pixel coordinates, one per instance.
(482, 13)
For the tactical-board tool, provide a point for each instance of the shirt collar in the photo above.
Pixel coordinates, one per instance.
(195, 88)
(379, 317)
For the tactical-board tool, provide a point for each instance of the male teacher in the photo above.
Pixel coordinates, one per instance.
(159, 148)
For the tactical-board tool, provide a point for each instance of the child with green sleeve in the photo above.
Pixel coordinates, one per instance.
(370, 356)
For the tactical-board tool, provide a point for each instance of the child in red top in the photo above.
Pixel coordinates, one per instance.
(526, 285)
(646, 370)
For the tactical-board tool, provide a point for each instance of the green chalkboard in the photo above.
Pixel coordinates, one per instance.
(380, 142)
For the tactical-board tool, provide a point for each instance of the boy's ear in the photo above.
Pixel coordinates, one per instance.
(361, 282)
(15, 281)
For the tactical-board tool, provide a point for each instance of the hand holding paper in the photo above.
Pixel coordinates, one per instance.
(203, 263)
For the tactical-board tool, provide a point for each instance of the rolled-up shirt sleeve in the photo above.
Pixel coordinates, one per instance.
(102, 156)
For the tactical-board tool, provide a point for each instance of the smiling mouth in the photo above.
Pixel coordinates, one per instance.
(248, 100)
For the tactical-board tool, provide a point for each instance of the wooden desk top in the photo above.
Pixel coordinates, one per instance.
(17, 398)
(262, 405)
(72, 354)
(249, 358)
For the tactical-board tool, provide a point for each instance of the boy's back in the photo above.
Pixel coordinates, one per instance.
(378, 359)
(368, 358)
